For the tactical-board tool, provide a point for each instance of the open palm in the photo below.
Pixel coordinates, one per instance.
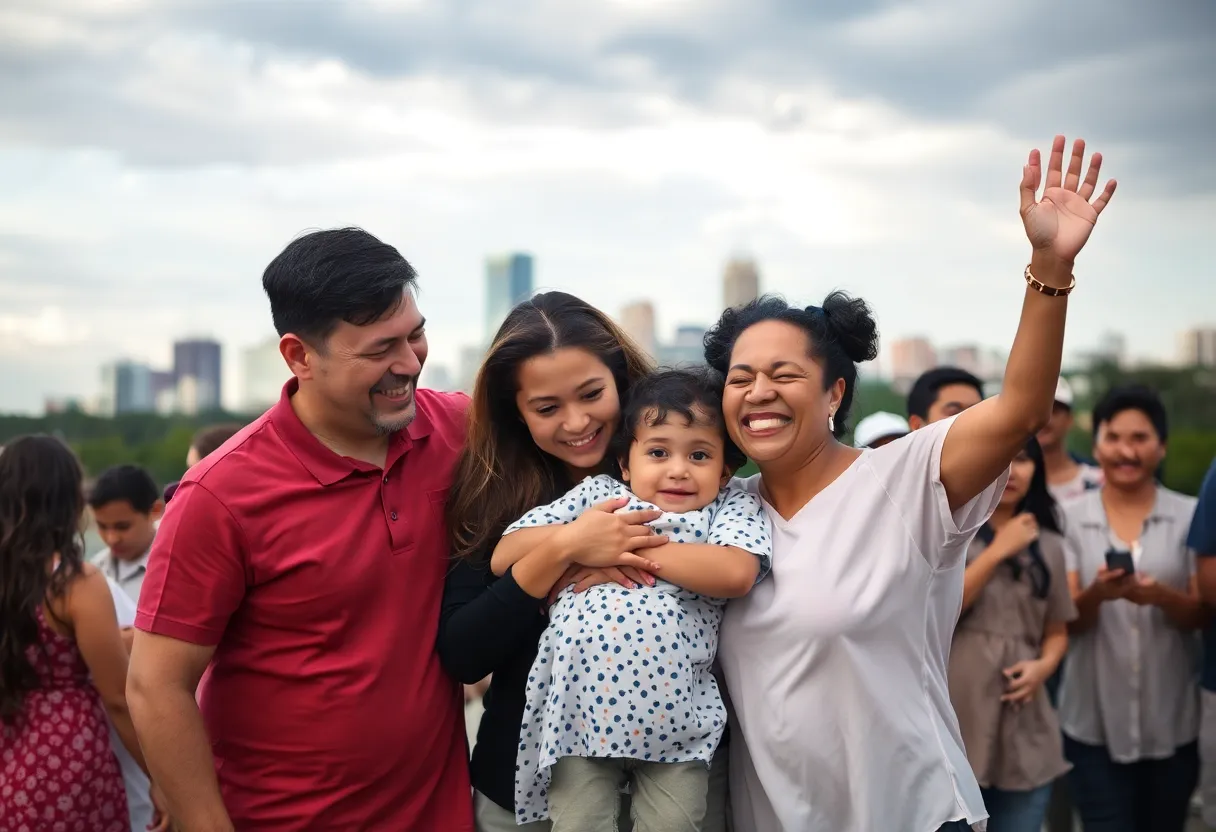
(1063, 219)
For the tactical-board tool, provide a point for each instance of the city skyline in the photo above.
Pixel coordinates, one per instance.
(632, 148)
(262, 372)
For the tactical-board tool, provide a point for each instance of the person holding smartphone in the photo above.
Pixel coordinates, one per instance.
(1129, 702)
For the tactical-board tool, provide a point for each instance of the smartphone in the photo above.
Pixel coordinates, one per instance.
(1116, 559)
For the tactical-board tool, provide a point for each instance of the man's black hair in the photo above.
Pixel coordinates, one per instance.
(925, 389)
(1132, 397)
(128, 483)
(327, 277)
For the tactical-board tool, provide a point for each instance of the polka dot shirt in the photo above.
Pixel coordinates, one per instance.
(627, 672)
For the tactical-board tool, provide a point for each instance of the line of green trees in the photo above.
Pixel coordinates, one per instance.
(159, 443)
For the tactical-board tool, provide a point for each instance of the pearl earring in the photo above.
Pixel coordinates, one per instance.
(831, 423)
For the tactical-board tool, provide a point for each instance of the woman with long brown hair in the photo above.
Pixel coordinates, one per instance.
(546, 404)
(63, 666)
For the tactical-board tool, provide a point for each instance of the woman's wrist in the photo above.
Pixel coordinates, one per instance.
(1050, 269)
(560, 545)
(537, 571)
(1050, 662)
(997, 551)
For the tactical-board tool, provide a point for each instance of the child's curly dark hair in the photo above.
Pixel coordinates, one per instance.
(695, 393)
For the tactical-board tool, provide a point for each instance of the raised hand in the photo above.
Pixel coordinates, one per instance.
(1061, 222)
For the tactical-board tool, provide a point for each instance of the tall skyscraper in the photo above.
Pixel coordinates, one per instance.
(126, 387)
(508, 282)
(637, 319)
(263, 374)
(197, 373)
(740, 283)
(1197, 347)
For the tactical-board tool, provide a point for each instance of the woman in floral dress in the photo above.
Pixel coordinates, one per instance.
(63, 666)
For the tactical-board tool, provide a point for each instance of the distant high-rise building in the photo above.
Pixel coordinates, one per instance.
(263, 374)
(126, 387)
(740, 283)
(637, 319)
(1197, 347)
(197, 369)
(508, 282)
(688, 348)
(909, 358)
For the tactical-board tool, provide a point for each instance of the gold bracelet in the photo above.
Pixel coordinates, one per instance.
(1051, 291)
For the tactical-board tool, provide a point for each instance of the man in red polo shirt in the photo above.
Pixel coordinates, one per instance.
(296, 579)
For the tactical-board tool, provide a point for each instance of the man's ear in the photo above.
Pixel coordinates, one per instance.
(916, 423)
(297, 355)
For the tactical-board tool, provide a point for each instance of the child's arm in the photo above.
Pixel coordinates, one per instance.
(707, 569)
(737, 555)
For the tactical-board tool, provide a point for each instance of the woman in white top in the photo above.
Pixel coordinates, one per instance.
(836, 666)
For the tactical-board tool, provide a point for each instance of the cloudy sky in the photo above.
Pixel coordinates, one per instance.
(155, 155)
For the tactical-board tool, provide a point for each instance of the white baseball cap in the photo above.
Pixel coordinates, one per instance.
(879, 426)
(1064, 392)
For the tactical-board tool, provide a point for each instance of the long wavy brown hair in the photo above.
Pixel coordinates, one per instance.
(41, 506)
(501, 473)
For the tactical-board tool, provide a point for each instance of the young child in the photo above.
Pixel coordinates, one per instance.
(622, 688)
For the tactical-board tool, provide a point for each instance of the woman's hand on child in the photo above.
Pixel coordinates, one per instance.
(602, 538)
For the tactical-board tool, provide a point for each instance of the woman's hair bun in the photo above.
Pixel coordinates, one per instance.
(852, 324)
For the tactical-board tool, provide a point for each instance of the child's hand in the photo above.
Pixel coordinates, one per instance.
(602, 538)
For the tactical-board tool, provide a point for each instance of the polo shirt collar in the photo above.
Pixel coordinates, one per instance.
(1094, 513)
(122, 571)
(324, 464)
(129, 569)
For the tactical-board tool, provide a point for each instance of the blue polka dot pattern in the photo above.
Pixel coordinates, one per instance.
(626, 672)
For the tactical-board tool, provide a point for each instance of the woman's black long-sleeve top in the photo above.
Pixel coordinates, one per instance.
(489, 625)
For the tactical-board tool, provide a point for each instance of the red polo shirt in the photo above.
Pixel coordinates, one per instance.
(319, 580)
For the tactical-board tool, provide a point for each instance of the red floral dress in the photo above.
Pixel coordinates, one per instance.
(57, 771)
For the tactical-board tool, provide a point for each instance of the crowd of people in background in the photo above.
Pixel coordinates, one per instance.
(949, 621)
